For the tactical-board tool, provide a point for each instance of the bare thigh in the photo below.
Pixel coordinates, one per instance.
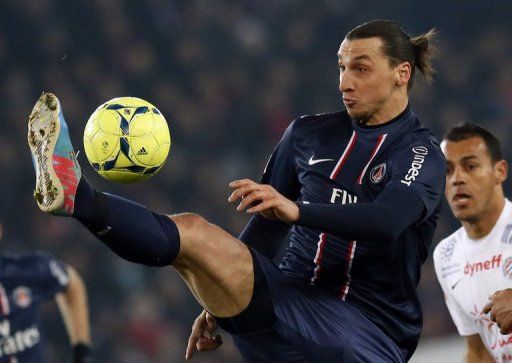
(217, 267)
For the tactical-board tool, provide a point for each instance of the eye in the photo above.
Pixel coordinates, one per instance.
(360, 69)
(471, 166)
(341, 67)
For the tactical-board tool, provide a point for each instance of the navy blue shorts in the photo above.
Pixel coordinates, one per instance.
(290, 321)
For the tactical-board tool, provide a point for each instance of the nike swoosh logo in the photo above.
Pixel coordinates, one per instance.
(456, 283)
(313, 162)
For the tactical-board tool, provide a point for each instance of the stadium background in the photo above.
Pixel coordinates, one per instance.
(229, 76)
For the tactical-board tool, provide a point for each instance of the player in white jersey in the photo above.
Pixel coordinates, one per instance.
(476, 260)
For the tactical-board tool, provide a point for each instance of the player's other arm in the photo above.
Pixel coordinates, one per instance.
(476, 351)
(203, 337)
(72, 303)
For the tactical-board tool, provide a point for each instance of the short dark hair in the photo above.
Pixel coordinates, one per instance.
(399, 46)
(468, 130)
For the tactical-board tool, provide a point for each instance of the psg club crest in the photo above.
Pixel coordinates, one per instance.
(22, 296)
(507, 267)
(377, 173)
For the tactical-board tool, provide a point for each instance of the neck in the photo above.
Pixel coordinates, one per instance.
(482, 227)
(393, 108)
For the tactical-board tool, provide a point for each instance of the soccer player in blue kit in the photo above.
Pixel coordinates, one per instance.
(26, 281)
(356, 194)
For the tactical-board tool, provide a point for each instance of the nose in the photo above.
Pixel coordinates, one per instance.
(346, 82)
(458, 177)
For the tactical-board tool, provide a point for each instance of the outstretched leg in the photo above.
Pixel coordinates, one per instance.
(216, 266)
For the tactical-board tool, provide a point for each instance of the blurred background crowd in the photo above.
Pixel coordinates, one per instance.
(229, 76)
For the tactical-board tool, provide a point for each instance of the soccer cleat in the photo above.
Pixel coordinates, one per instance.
(55, 163)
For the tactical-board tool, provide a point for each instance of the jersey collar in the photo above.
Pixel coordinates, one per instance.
(387, 126)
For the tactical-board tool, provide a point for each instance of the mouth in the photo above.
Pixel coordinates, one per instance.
(349, 102)
(461, 198)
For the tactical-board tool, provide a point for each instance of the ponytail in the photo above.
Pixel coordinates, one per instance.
(423, 53)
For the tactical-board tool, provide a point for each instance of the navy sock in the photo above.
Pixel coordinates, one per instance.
(129, 229)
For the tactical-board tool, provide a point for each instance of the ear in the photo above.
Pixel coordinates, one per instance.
(500, 171)
(402, 73)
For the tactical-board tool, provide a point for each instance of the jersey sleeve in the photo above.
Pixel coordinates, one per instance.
(463, 322)
(419, 168)
(280, 171)
(262, 234)
(52, 275)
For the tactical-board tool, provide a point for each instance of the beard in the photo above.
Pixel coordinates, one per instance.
(361, 118)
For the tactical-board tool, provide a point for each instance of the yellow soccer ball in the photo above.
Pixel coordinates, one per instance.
(127, 140)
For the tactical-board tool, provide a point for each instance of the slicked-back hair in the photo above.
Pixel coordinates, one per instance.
(399, 47)
(468, 130)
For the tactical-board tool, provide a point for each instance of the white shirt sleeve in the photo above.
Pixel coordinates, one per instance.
(463, 321)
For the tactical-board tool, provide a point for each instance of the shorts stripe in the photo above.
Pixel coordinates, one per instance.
(350, 258)
(318, 257)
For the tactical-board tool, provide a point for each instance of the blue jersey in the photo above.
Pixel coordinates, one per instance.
(328, 159)
(25, 282)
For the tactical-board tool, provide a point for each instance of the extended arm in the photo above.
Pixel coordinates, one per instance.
(383, 220)
(72, 304)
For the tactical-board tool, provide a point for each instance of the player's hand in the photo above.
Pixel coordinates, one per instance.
(500, 309)
(203, 335)
(263, 199)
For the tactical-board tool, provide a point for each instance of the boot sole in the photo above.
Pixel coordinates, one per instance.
(43, 133)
